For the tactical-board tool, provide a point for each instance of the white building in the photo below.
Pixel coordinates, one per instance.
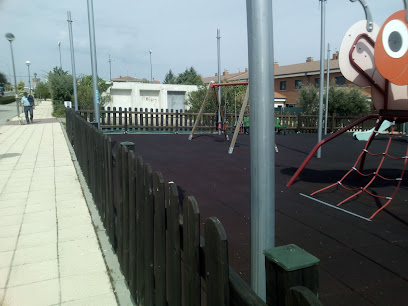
(150, 96)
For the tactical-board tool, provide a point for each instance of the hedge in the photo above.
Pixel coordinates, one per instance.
(7, 100)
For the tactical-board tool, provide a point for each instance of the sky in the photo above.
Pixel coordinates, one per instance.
(180, 33)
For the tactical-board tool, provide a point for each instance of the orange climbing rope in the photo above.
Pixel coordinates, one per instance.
(374, 174)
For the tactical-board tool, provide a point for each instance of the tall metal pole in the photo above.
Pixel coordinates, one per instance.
(261, 97)
(93, 62)
(327, 89)
(235, 103)
(71, 44)
(29, 78)
(151, 67)
(110, 68)
(219, 79)
(322, 43)
(28, 63)
(59, 48)
(10, 38)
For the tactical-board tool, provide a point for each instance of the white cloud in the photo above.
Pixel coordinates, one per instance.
(181, 33)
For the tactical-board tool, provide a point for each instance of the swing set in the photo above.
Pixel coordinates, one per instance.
(222, 126)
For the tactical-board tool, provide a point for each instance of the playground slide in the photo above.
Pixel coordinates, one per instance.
(363, 136)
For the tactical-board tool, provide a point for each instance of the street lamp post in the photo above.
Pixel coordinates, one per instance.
(59, 47)
(151, 67)
(28, 63)
(110, 67)
(71, 44)
(10, 38)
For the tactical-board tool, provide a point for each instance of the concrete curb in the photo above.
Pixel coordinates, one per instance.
(119, 285)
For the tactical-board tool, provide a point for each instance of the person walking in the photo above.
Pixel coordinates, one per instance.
(27, 107)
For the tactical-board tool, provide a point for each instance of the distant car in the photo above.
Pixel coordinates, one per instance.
(2, 90)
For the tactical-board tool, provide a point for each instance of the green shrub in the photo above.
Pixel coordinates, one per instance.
(7, 100)
(59, 109)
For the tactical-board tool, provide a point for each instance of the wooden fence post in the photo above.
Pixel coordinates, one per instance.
(148, 230)
(216, 263)
(114, 116)
(333, 125)
(139, 284)
(288, 266)
(177, 121)
(299, 122)
(125, 210)
(159, 239)
(132, 221)
(173, 246)
(117, 199)
(191, 249)
(125, 114)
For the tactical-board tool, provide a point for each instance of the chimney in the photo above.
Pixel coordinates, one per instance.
(309, 59)
(275, 65)
(226, 72)
(246, 69)
(336, 55)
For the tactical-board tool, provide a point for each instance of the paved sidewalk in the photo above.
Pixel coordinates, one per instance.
(49, 252)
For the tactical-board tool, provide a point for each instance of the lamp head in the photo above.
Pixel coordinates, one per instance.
(28, 63)
(9, 37)
(59, 43)
(150, 51)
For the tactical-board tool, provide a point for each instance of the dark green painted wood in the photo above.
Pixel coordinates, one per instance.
(139, 232)
(132, 222)
(279, 280)
(216, 262)
(117, 199)
(125, 212)
(109, 195)
(173, 245)
(191, 246)
(148, 212)
(301, 296)
(159, 239)
(241, 293)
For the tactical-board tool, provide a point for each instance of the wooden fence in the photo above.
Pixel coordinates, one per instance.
(157, 239)
(177, 121)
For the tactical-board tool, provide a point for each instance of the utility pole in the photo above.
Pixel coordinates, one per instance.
(219, 80)
(93, 62)
(262, 153)
(110, 68)
(59, 48)
(322, 43)
(71, 43)
(327, 89)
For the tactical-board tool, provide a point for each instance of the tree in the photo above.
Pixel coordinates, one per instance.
(189, 77)
(309, 99)
(60, 85)
(85, 92)
(20, 89)
(3, 79)
(41, 91)
(170, 78)
(228, 97)
(347, 101)
(61, 88)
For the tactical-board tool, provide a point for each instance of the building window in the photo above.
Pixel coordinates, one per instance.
(340, 81)
(282, 85)
(298, 84)
(317, 82)
(290, 105)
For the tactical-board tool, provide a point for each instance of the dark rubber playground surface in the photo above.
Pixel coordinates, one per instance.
(361, 262)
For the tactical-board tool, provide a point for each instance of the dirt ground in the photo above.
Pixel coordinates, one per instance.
(361, 262)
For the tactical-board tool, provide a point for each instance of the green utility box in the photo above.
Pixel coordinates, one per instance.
(286, 267)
